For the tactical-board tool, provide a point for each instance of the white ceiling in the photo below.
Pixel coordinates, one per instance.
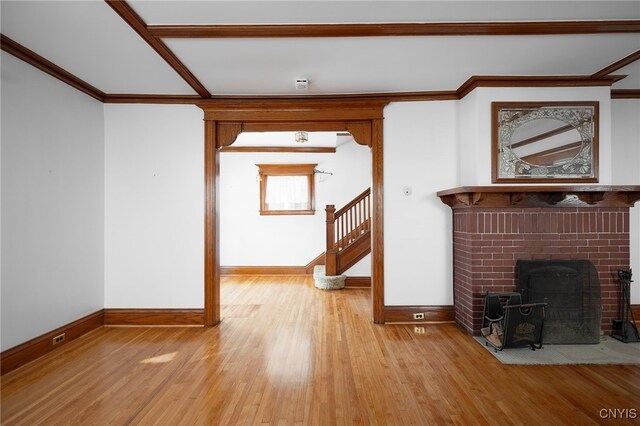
(88, 39)
(286, 139)
(389, 64)
(632, 81)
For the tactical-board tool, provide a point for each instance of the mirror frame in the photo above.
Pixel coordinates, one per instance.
(498, 107)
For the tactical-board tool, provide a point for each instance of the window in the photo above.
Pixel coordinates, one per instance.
(286, 189)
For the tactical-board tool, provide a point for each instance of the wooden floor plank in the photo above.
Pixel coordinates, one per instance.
(287, 353)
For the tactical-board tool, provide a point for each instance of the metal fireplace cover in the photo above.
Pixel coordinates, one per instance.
(571, 289)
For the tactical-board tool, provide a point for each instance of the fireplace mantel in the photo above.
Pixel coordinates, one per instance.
(541, 196)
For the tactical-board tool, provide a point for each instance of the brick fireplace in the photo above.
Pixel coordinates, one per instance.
(495, 226)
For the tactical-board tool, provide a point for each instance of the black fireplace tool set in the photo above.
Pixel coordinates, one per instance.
(624, 329)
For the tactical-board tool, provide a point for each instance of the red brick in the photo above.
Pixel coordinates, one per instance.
(494, 262)
(566, 220)
(588, 250)
(484, 257)
(579, 227)
(553, 223)
(568, 236)
(619, 222)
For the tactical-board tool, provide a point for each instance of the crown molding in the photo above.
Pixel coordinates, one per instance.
(382, 97)
(436, 95)
(125, 11)
(19, 51)
(533, 81)
(395, 29)
(625, 94)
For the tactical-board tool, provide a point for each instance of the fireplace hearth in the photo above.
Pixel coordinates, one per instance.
(571, 289)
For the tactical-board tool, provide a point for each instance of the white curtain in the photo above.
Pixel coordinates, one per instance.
(287, 193)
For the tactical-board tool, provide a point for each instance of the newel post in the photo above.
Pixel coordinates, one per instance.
(331, 253)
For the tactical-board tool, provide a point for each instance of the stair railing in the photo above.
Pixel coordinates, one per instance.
(346, 225)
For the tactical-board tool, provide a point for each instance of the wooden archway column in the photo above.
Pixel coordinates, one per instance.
(226, 119)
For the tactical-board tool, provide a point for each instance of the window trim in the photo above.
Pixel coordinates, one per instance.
(266, 170)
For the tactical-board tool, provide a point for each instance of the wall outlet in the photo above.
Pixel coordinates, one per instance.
(418, 330)
(302, 84)
(418, 315)
(58, 339)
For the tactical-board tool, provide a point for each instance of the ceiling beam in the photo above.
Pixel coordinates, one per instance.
(295, 149)
(32, 58)
(123, 98)
(617, 65)
(395, 29)
(133, 19)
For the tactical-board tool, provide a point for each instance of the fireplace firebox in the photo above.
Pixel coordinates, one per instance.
(571, 289)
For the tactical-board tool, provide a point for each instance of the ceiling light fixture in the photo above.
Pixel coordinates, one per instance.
(302, 137)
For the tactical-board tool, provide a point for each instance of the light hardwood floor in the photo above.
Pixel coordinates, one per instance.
(287, 353)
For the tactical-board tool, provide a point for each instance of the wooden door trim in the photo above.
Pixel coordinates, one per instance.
(227, 119)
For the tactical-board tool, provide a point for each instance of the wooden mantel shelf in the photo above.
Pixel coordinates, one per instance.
(541, 196)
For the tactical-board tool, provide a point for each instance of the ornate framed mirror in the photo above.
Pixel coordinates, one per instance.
(544, 142)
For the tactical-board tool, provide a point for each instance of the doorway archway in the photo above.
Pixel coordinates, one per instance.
(226, 119)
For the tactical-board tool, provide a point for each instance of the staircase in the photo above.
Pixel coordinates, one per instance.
(348, 234)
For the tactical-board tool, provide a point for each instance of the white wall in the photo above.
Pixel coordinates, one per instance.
(475, 125)
(248, 239)
(103, 206)
(52, 203)
(419, 152)
(432, 146)
(625, 137)
(468, 164)
(154, 206)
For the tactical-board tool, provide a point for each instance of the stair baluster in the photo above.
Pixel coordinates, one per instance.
(346, 228)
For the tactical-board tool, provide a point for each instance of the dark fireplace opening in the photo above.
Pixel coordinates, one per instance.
(571, 289)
